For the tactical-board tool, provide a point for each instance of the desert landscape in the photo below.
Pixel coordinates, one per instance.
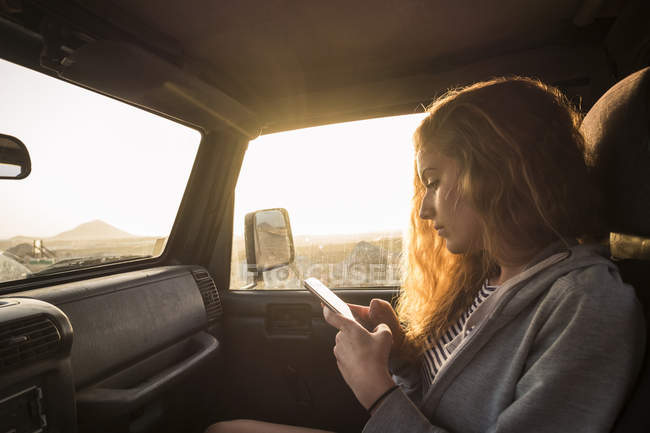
(359, 260)
(23, 255)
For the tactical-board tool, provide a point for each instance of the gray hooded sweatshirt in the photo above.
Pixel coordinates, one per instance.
(556, 351)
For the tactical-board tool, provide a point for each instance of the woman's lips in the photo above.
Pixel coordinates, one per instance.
(441, 230)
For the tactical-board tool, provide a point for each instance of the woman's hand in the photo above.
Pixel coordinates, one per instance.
(362, 357)
(378, 312)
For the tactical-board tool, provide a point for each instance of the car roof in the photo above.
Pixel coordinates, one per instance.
(299, 63)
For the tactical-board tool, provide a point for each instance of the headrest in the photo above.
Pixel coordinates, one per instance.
(617, 133)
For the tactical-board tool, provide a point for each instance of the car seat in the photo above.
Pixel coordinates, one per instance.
(617, 132)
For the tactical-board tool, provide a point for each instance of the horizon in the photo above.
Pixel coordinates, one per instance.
(237, 237)
(76, 227)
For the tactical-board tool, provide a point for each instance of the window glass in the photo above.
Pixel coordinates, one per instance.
(106, 180)
(347, 189)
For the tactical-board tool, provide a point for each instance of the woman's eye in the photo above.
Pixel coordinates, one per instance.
(432, 184)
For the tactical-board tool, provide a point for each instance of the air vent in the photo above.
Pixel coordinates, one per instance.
(26, 340)
(210, 295)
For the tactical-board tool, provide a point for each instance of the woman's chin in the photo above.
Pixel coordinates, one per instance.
(454, 248)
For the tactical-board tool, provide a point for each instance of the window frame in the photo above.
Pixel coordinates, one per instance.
(347, 286)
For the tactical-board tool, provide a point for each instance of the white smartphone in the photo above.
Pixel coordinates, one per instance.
(328, 297)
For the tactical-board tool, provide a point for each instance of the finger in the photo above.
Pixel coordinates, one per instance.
(360, 312)
(383, 331)
(381, 311)
(335, 319)
(339, 352)
(382, 328)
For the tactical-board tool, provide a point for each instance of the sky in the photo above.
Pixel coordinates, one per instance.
(97, 158)
(354, 177)
(92, 158)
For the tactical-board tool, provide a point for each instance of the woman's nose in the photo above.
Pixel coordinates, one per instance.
(427, 210)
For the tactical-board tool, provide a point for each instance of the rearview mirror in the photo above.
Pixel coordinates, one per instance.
(268, 238)
(14, 158)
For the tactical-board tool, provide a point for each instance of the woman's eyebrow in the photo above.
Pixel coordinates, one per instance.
(426, 169)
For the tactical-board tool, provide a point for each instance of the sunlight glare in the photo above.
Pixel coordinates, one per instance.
(346, 178)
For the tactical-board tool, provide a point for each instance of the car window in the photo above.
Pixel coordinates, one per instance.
(347, 189)
(106, 180)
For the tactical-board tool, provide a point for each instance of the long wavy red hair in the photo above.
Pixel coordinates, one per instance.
(522, 167)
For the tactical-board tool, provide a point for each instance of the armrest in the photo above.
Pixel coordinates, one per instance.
(105, 401)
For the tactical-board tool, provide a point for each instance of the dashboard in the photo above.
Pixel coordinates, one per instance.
(100, 354)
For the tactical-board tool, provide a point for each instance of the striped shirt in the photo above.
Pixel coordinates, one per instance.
(436, 356)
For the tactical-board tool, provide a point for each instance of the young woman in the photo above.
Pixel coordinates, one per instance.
(510, 317)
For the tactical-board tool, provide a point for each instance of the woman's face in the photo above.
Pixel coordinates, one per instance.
(453, 217)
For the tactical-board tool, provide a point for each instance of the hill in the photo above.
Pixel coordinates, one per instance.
(96, 229)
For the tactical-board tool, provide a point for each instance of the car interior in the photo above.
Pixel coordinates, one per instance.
(164, 342)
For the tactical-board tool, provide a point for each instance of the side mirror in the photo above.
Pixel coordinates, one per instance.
(14, 158)
(268, 239)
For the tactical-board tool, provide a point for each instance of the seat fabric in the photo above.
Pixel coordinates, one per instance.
(617, 133)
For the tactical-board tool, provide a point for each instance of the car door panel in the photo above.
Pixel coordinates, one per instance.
(279, 361)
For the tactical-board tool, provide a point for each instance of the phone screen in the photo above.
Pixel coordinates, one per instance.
(328, 297)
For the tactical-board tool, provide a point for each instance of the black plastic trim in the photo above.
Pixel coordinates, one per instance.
(105, 401)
